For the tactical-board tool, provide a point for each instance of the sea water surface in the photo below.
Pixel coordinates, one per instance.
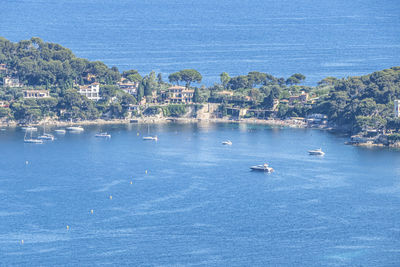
(318, 38)
(199, 203)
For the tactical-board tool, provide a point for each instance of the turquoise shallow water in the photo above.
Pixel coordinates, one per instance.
(317, 38)
(199, 204)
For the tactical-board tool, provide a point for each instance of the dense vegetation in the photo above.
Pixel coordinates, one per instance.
(363, 103)
(355, 103)
(41, 65)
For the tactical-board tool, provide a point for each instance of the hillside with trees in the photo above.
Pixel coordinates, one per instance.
(354, 104)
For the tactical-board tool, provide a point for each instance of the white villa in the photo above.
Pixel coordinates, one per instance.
(11, 82)
(91, 91)
(129, 87)
(36, 94)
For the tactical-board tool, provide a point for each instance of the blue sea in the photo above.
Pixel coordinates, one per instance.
(318, 38)
(187, 200)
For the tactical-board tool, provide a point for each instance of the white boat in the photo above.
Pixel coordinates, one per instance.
(103, 135)
(263, 167)
(75, 129)
(29, 129)
(47, 137)
(32, 140)
(150, 138)
(317, 152)
(60, 131)
(227, 142)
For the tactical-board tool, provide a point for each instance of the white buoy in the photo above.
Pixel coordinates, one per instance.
(91, 211)
(110, 197)
(67, 227)
(146, 171)
(137, 134)
(22, 241)
(26, 162)
(131, 182)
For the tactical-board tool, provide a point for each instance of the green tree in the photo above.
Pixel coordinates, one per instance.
(196, 95)
(224, 77)
(295, 79)
(189, 76)
(132, 75)
(175, 77)
(159, 79)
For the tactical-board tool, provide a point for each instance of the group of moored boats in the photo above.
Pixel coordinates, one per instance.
(265, 167)
(49, 137)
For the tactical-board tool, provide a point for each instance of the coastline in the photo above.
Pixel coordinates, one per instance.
(163, 120)
(158, 120)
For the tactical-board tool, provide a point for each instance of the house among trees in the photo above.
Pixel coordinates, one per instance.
(91, 91)
(11, 82)
(4, 104)
(303, 98)
(90, 77)
(3, 69)
(225, 93)
(129, 87)
(179, 94)
(36, 94)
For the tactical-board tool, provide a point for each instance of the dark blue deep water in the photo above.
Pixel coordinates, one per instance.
(198, 204)
(318, 38)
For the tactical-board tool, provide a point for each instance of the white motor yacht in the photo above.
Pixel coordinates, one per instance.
(317, 152)
(227, 143)
(75, 129)
(263, 167)
(103, 135)
(60, 131)
(150, 138)
(29, 129)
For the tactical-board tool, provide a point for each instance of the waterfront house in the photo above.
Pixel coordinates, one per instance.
(316, 119)
(36, 94)
(11, 82)
(129, 87)
(91, 91)
(179, 95)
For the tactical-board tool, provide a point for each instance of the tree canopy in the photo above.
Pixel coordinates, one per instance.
(188, 76)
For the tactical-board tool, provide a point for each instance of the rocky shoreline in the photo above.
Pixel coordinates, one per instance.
(159, 120)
